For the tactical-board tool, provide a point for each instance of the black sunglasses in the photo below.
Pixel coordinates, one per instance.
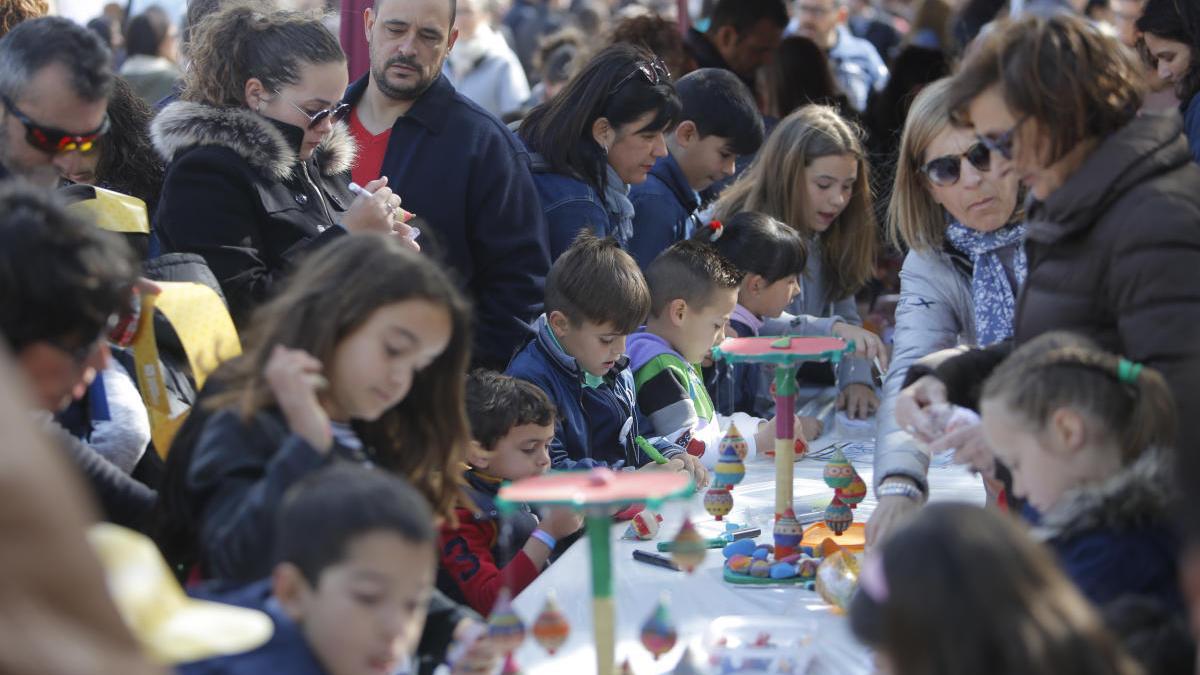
(339, 112)
(654, 71)
(1002, 143)
(55, 141)
(946, 170)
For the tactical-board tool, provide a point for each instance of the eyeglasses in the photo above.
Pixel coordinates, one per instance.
(654, 71)
(946, 170)
(55, 141)
(338, 111)
(80, 354)
(1004, 142)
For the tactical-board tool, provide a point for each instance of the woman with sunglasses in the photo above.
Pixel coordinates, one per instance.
(601, 133)
(258, 159)
(1112, 237)
(955, 211)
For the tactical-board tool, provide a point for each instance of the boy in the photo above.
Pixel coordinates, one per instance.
(720, 122)
(512, 422)
(352, 585)
(595, 297)
(693, 290)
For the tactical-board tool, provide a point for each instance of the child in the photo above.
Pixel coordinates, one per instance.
(1084, 434)
(352, 580)
(812, 175)
(595, 297)
(512, 422)
(693, 290)
(960, 589)
(771, 255)
(720, 122)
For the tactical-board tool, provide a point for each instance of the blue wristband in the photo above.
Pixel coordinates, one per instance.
(544, 537)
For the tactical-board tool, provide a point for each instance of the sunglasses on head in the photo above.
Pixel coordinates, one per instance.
(946, 170)
(654, 71)
(55, 141)
(338, 111)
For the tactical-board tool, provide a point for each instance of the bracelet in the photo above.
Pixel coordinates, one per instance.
(544, 537)
(899, 489)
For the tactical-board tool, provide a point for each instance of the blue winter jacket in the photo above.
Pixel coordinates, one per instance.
(595, 427)
(664, 208)
(569, 206)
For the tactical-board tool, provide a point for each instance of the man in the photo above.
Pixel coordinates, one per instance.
(856, 64)
(55, 80)
(62, 283)
(457, 167)
(742, 36)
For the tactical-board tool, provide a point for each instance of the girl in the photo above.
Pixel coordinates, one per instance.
(258, 158)
(1084, 433)
(953, 208)
(598, 135)
(1171, 44)
(812, 175)
(962, 590)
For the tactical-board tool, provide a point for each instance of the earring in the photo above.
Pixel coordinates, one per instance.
(260, 107)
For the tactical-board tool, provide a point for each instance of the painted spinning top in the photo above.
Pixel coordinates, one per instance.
(689, 547)
(505, 629)
(733, 440)
(551, 628)
(838, 516)
(853, 493)
(788, 534)
(658, 633)
(643, 526)
(839, 473)
(718, 501)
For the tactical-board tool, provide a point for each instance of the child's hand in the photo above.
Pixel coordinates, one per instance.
(811, 427)
(472, 652)
(866, 344)
(673, 464)
(295, 377)
(560, 522)
(858, 400)
(969, 447)
(695, 467)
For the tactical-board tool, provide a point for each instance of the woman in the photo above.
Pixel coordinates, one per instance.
(150, 45)
(812, 175)
(598, 135)
(952, 207)
(798, 76)
(1112, 241)
(1171, 44)
(257, 156)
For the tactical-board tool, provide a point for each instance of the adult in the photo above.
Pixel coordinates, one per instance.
(54, 85)
(1060, 99)
(660, 36)
(256, 160)
(602, 133)
(459, 169)
(150, 53)
(742, 36)
(952, 207)
(63, 282)
(528, 21)
(1171, 34)
(483, 66)
(856, 64)
(16, 11)
(800, 75)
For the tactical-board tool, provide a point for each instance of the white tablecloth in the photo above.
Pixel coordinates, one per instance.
(698, 598)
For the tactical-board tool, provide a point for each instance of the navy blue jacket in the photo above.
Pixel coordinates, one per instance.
(570, 205)
(594, 427)
(466, 175)
(663, 206)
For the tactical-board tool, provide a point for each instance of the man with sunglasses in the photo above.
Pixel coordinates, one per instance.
(457, 167)
(55, 80)
(63, 285)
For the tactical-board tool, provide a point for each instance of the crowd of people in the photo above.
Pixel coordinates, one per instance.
(508, 242)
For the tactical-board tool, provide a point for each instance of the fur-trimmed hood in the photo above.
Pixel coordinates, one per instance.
(1138, 496)
(184, 124)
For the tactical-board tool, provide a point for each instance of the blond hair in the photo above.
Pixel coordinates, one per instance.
(914, 218)
(774, 184)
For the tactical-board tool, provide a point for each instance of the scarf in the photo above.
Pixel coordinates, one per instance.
(994, 297)
(620, 209)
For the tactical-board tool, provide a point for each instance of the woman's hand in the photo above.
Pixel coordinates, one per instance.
(866, 344)
(970, 448)
(294, 377)
(859, 401)
(890, 513)
(375, 209)
(915, 411)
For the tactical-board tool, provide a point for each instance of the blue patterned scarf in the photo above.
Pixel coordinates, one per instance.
(994, 297)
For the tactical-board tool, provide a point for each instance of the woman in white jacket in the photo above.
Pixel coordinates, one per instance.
(959, 284)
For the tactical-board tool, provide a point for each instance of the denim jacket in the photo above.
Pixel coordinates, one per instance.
(664, 207)
(570, 205)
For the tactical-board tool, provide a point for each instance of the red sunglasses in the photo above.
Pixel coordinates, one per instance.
(55, 141)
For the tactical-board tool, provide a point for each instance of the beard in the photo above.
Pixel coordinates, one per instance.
(403, 93)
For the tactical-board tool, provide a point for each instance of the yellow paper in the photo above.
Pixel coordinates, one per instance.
(115, 212)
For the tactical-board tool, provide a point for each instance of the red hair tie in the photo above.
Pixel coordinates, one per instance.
(716, 229)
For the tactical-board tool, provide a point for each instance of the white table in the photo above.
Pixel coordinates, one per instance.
(698, 598)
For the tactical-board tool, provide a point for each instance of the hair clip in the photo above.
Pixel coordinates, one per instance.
(1128, 371)
(716, 229)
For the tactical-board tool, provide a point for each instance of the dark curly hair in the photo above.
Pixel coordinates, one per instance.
(13, 12)
(128, 162)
